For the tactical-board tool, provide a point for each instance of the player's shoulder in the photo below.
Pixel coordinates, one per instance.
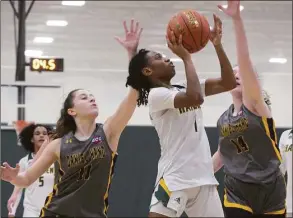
(227, 112)
(183, 83)
(158, 91)
(23, 162)
(285, 134)
(24, 159)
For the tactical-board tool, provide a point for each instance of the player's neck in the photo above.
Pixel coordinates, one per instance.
(84, 129)
(237, 105)
(36, 149)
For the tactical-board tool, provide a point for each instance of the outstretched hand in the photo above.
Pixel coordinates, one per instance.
(216, 32)
(132, 36)
(233, 9)
(8, 173)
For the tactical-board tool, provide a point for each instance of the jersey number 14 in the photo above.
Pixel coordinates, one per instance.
(240, 144)
(84, 173)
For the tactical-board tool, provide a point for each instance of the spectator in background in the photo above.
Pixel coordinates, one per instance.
(31, 139)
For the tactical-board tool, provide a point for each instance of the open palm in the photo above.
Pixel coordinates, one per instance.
(233, 9)
(132, 36)
(8, 173)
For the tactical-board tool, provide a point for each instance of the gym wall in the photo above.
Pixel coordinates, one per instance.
(135, 171)
(43, 105)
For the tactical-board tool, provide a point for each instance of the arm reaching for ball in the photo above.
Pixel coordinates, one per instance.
(252, 90)
(132, 37)
(227, 80)
(193, 95)
(115, 124)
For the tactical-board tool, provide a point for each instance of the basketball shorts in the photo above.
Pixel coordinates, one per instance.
(203, 201)
(268, 198)
(47, 213)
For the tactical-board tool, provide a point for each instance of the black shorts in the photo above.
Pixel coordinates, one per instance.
(256, 199)
(47, 213)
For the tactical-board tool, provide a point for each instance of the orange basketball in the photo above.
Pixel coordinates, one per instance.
(193, 26)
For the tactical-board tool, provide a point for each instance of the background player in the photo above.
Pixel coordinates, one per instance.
(285, 146)
(185, 181)
(248, 148)
(31, 138)
(86, 152)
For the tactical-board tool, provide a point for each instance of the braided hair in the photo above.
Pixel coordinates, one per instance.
(137, 79)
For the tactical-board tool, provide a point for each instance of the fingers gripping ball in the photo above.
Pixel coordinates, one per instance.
(194, 28)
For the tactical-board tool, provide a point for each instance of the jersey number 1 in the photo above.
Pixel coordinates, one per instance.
(240, 144)
(84, 173)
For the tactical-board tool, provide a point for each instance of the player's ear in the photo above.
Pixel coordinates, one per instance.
(71, 112)
(147, 71)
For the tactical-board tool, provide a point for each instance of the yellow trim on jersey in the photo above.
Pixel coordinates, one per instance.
(53, 193)
(164, 186)
(60, 168)
(275, 133)
(278, 212)
(235, 205)
(49, 199)
(268, 132)
(109, 182)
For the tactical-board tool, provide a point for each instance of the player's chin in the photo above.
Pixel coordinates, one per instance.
(236, 91)
(39, 144)
(172, 71)
(94, 113)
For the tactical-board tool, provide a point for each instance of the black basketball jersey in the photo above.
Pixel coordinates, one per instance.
(248, 146)
(86, 169)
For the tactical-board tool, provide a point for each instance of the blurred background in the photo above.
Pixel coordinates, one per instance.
(79, 37)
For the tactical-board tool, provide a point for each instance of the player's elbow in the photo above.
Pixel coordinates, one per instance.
(229, 85)
(196, 99)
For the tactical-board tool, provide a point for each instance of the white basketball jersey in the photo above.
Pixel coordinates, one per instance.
(285, 146)
(185, 160)
(35, 195)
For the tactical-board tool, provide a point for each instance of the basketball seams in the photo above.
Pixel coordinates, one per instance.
(187, 27)
(186, 45)
(193, 26)
(198, 17)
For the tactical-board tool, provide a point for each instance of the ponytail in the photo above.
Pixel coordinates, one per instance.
(65, 123)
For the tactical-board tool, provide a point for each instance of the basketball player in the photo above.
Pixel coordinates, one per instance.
(86, 152)
(31, 138)
(185, 183)
(254, 184)
(285, 146)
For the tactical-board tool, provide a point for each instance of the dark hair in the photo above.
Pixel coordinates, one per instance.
(26, 135)
(66, 123)
(137, 79)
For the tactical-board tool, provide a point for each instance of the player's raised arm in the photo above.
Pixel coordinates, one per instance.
(252, 90)
(116, 123)
(227, 80)
(24, 179)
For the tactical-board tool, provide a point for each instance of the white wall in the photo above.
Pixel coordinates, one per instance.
(43, 105)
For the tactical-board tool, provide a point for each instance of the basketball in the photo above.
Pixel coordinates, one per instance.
(193, 26)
